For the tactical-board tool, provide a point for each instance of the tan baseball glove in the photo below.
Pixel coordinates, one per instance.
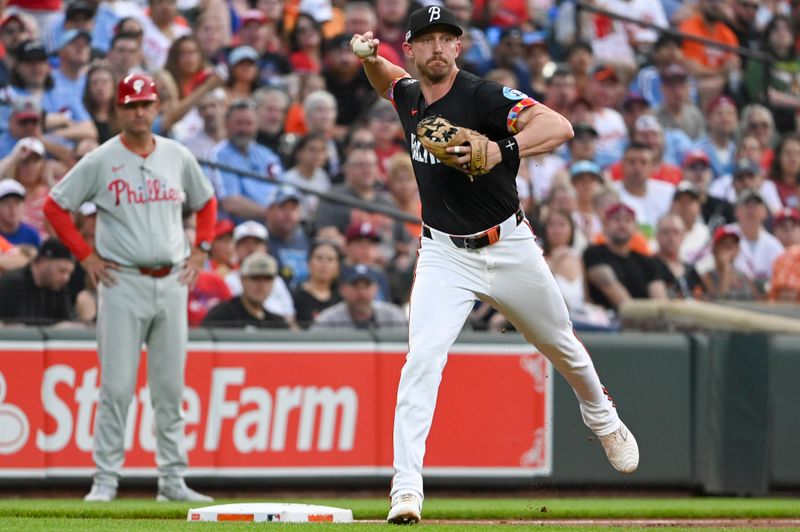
(437, 134)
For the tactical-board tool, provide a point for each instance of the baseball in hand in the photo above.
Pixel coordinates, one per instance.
(363, 48)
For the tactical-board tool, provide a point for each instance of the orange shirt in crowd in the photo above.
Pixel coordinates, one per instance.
(786, 273)
(5, 245)
(295, 121)
(702, 54)
(638, 243)
(663, 172)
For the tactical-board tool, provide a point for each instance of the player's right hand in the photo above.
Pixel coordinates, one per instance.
(369, 39)
(99, 270)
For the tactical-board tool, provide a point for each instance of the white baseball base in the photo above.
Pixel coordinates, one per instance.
(261, 512)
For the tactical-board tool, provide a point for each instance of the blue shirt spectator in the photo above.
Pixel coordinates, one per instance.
(105, 19)
(648, 83)
(12, 228)
(256, 159)
(244, 197)
(287, 240)
(25, 234)
(720, 165)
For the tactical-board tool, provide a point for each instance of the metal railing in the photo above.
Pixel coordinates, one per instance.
(392, 212)
(745, 52)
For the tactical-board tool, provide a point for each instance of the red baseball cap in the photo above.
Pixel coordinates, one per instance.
(725, 230)
(223, 227)
(720, 100)
(358, 230)
(138, 87)
(254, 15)
(787, 213)
(696, 156)
(617, 208)
(11, 17)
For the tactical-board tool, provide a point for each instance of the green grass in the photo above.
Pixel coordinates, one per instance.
(439, 508)
(113, 525)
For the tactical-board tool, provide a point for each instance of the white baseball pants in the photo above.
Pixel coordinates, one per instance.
(513, 276)
(141, 309)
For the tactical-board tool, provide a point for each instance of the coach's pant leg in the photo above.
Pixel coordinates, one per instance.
(527, 294)
(441, 300)
(166, 360)
(120, 325)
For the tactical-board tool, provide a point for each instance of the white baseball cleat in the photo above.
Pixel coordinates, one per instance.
(406, 509)
(101, 493)
(180, 492)
(621, 449)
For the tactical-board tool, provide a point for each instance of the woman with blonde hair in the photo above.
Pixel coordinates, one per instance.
(26, 163)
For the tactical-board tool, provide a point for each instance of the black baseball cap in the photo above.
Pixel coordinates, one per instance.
(78, 8)
(429, 16)
(31, 50)
(582, 128)
(53, 249)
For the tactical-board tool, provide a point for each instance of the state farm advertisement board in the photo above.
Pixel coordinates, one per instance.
(281, 409)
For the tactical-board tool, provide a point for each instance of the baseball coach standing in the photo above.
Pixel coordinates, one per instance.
(466, 137)
(143, 267)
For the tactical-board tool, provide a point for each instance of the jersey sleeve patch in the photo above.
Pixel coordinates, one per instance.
(513, 114)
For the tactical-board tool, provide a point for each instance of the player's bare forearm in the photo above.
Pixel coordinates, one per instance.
(541, 130)
(380, 72)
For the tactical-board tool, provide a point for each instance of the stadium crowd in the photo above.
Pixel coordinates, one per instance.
(681, 180)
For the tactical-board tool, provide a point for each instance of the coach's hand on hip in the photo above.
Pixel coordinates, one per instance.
(98, 269)
(191, 270)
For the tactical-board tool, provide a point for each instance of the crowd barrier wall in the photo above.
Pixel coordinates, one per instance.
(714, 412)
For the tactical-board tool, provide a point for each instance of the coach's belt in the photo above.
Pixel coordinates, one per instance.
(157, 272)
(483, 239)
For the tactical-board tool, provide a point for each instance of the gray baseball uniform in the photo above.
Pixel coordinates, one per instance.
(139, 225)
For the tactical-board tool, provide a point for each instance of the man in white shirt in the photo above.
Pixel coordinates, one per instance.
(758, 249)
(211, 109)
(249, 237)
(612, 134)
(686, 203)
(650, 199)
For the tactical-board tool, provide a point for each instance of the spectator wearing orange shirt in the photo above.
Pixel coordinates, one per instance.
(11, 257)
(786, 227)
(649, 132)
(785, 285)
(710, 65)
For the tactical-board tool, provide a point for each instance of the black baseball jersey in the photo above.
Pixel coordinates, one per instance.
(451, 202)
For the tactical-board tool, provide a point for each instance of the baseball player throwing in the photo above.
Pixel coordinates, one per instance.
(143, 267)
(475, 239)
